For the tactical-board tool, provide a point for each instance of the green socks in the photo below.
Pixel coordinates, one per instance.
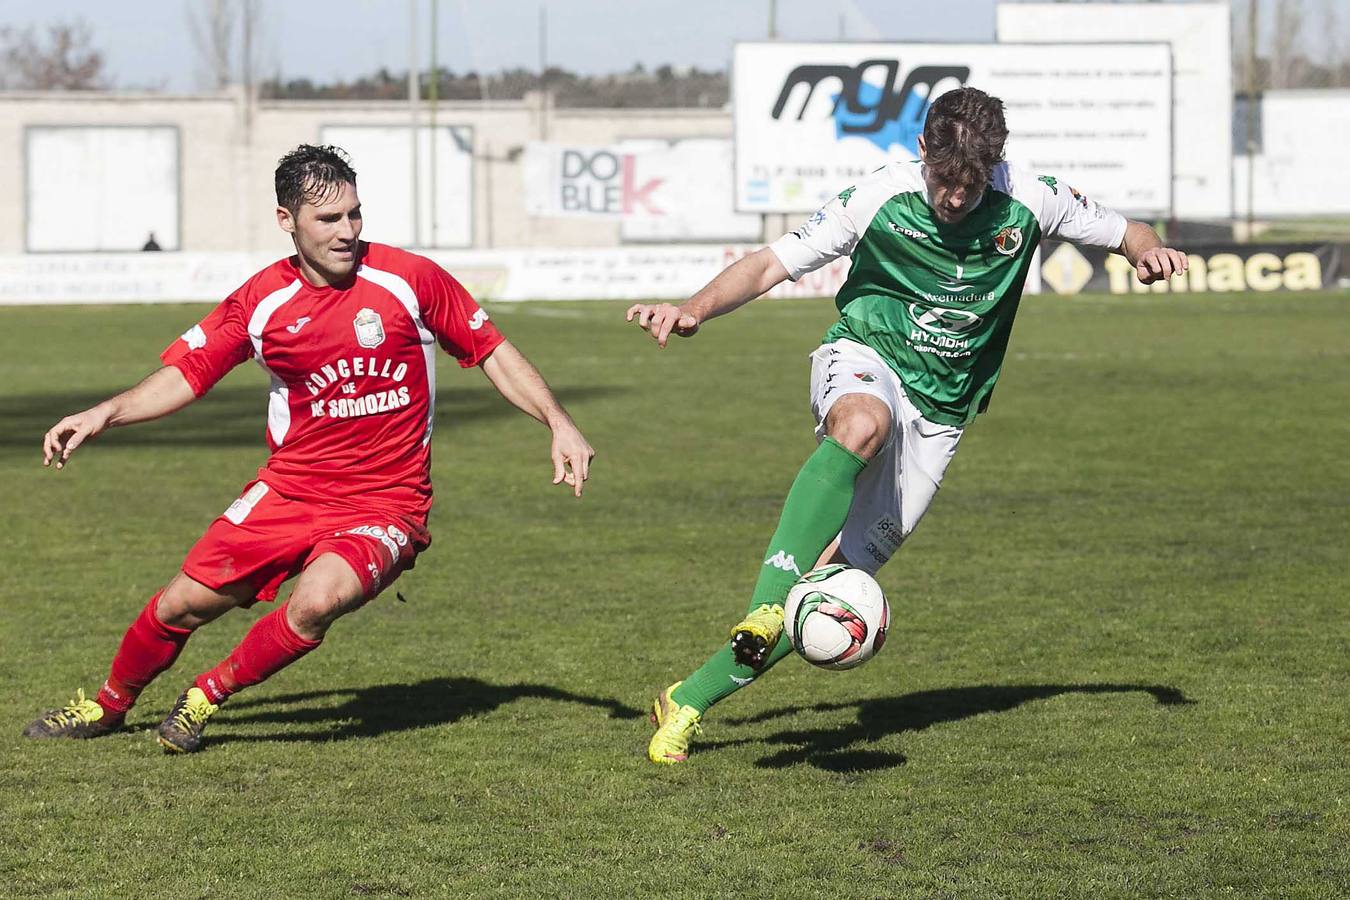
(813, 514)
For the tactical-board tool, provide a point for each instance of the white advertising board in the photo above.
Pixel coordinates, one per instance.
(812, 118)
(101, 188)
(1202, 86)
(1299, 169)
(382, 158)
(659, 190)
(669, 272)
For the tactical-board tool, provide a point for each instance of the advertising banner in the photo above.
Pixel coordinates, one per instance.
(812, 118)
(677, 190)
(1067, 269)
(658, 272)
(1202, 87)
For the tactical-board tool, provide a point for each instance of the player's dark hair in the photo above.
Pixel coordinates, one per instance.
(964, 135)
(312, 174)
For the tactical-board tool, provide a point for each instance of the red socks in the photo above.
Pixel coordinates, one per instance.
(148, 648)
(270, 645)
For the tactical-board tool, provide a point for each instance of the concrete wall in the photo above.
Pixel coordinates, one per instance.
(229, 149)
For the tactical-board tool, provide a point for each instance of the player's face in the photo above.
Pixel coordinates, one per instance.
(326, 234)
(951, 197)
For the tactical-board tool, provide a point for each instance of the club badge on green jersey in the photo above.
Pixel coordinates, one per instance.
(1008, 241)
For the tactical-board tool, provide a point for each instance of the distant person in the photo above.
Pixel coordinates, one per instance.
(941, 247)
(151, 243)
(347, 331)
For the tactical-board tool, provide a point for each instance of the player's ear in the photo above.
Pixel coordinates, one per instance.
(923, 149)
(285, 220)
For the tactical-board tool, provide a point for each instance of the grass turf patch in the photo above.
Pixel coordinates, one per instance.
(1118, 665)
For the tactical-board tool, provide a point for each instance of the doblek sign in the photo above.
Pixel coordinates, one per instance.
(812, 118)
(587, 181)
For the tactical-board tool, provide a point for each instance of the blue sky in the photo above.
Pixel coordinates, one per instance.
(149, 45)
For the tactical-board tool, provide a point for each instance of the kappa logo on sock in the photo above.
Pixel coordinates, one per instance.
(784, 561)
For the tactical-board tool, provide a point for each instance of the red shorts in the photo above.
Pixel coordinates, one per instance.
(265, 538)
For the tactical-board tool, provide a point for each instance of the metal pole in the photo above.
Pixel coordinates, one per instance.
(1251, 115)
(773, 19)
(434, 98)
(413, 91)
(543, 72)
(487, 186)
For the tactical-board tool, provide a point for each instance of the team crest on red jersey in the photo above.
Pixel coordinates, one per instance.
(369, 328)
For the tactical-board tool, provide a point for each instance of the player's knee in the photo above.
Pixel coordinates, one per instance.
(311, 611)
(185, 603)
(862, 428)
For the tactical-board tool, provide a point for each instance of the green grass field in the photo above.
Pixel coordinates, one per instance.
(1119, 667)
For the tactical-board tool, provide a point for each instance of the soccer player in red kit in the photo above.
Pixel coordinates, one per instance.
(347, 332)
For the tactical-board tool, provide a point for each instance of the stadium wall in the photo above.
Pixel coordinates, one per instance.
(228, 150)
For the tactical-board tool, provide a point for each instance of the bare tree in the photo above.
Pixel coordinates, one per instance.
(1286, 44)
(67, 60)
(211, 23)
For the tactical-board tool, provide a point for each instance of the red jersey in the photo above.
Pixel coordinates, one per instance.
(353, 373)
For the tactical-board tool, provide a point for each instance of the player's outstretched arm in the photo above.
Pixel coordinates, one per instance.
(1151, 260)
(162, 392)
(734, 286)
(516, 379)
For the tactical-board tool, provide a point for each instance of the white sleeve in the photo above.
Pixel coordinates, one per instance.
(834, 229)
(1066, 214)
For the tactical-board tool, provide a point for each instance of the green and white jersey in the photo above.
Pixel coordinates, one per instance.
(937, 301)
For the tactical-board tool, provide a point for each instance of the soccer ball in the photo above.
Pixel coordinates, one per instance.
(836, 617)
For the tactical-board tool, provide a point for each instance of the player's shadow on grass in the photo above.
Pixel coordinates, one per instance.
(235, 415)
(837, 747)
(385, 708)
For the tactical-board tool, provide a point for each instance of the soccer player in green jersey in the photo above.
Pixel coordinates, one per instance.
(940, 250)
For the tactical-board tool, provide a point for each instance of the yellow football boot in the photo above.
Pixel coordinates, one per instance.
(757, 635)
(181, 731)
(675, 725)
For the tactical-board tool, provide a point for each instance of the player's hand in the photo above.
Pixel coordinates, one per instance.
(571, 457)
(67, 435)
(1160, 264)
(663, 319)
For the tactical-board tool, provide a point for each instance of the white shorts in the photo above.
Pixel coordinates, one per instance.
(893, 492)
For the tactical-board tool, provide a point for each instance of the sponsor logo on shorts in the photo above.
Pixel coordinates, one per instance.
(391, 536)
(238, 511)
(865, 377)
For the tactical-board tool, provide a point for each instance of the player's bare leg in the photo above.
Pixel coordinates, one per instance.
(150, 646)
(327, 590)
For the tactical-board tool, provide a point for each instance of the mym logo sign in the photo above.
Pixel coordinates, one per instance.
(868, 104)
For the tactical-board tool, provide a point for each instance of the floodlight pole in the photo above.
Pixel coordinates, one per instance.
(434, 98)
(413, 91)
(1251, 115)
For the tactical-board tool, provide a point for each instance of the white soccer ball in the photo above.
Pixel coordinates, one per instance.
(836, 617)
